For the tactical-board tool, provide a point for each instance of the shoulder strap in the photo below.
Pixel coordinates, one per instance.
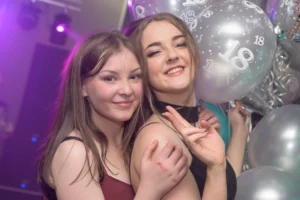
(147, 124)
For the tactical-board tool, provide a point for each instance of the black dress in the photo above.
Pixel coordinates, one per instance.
(198, 168)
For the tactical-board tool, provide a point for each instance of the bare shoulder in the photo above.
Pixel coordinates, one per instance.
(70, 154)
(73, 176)
(155, 129)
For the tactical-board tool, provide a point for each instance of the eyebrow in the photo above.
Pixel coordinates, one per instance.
(159, 43)
(116, 73)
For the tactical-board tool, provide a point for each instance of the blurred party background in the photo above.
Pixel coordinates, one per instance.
(250, 51)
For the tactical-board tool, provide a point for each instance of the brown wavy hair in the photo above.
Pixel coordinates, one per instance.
(74, 111)
(135, 32)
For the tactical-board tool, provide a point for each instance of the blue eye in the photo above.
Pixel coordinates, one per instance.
(136, 76)
(109, 79)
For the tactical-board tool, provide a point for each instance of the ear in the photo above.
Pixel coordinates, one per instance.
(83, 91)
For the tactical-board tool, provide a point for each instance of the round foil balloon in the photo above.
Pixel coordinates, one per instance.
(237, 45)
(275, 141)
(142, 8)
(187, 10)
(266, 183)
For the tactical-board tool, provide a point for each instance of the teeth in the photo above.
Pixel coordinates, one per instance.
(175, 70)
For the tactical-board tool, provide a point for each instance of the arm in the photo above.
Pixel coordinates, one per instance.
(160, 174)
(68, 162)
(187, 187)
(208, 146)
(237, 145)
(215, 185)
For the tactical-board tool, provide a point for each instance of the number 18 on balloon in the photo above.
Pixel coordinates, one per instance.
(237, 46)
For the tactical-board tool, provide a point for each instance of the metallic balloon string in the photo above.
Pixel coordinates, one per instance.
(275, 84)
(292, 32)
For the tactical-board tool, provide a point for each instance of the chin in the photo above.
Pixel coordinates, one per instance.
(181, 87)
(123, 117)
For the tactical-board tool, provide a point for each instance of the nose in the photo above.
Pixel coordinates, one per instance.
(125, 89)
(172, 55)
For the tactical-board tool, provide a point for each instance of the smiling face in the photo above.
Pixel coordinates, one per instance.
(115, 92)
(170, 69)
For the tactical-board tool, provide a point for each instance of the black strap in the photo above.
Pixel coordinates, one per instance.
(72, 138)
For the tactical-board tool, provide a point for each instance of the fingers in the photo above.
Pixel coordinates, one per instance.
(206, 114)
(176, 155)
(177, 125)
(204, 124)
(214, 122)
(178, 118)
(210, 129)
(193, 138)
(148, 153)
(182, 165)
(166, 151)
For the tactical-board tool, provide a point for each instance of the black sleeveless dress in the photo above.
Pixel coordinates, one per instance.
(198, 168)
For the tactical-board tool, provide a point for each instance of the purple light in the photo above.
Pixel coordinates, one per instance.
(130, 3)
(60, 28)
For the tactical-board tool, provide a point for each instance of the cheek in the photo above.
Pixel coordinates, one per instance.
(138, 90)
(102, 93)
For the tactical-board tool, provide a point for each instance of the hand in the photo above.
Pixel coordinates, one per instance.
(210, 117)
(237, 116)
(205, 143)
(163, 171)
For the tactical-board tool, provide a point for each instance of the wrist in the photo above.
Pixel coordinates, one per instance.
(240, 130)
(146, 192)
(217, 169)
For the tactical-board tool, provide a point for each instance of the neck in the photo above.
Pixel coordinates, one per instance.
(186, 98)
(112, 130)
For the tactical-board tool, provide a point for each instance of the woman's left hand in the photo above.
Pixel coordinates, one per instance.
(210, 117)
(205, 143)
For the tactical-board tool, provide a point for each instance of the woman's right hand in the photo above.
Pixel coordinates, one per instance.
(163, 171)
(205, 143)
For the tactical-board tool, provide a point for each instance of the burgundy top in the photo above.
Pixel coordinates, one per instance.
(112, 188)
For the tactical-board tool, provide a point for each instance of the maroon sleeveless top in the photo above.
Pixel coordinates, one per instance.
(112, 188)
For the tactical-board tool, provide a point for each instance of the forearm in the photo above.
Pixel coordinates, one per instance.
(236, 148)
(215, 185)
(144, 193)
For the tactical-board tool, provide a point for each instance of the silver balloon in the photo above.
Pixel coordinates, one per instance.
(237, 45)
(283, 12)
(275, 141)
(293, 50)
(186, 10)
(142, 8)
(266, 183)
(281, 86)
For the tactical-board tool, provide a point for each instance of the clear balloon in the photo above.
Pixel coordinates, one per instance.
(237, 45)
(142, 8)
(187, 10)
(283, 12)
(264, 183)
(275, 141)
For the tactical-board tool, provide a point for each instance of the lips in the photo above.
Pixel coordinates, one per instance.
(124, 103)
(174, 70)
